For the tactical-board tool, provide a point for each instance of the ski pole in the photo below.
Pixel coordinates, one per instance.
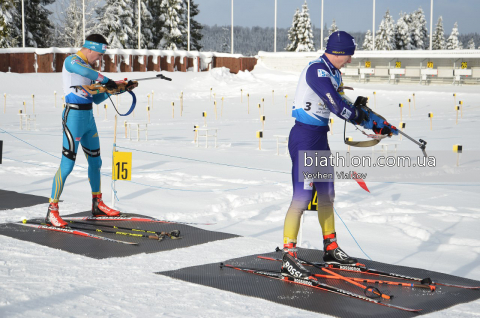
(376, 281)
(175, 233)
(152, 237)
(421, 143)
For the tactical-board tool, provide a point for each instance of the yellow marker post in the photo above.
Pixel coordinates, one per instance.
(286, 104)
(457, 108)
(195, 127)
(458, 149)
(430, 115)
(33, 103)
(260, 136)
(181, 104)
(331, 126)
(55, 98)
(402, 126)
(414, 108)
(262, 118)
(263, 105)
(24, 107)
(204, 115)
(211, 93)
(173, 110)
(221, 111)
(260, 109)
(409, 100)
(148, 113)
(125, 125)
(461, 108)
(348, 139)
(215, 109)
(148, 100)
(248, 102)
(273, 97)
(4, 103)
(105, 110)
(122, 166)
(375, 99)
(454, 99)
(401, 106)
(241, 95)
(21, 119)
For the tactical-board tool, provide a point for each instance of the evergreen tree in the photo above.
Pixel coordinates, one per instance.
(10, 35)
(438, 41)
(403, 41)
(38, 28)
(156, 10)
(471, 44)
(70, 31)
(304, 31)
(116, 23)
(419, 32)
(146, 22)
(452, 42)
(385, 36)
(174, 27)
(293, 32)
(195, 26)
(226, 40)
(333, 28)
(368, 42)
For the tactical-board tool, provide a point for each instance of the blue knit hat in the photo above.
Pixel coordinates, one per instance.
(341, 43)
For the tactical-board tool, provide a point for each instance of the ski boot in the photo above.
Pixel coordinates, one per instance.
(291, 265)
(333, 254)
(101, 209)
(53, 218)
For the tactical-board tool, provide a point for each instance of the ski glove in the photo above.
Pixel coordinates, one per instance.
(111, 85)
(370, 120)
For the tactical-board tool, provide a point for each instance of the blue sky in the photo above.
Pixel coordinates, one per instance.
(350, 15)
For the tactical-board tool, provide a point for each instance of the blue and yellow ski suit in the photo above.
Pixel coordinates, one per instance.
(78, 123)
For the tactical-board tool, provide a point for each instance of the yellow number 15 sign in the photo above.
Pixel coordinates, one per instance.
(122, 166)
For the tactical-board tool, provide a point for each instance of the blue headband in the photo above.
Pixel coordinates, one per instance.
(94, 46)
(341, 43)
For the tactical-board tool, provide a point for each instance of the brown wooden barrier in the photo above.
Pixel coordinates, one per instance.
(164, 66)
(53, 62)
(137, 66)
(4, 62)
(153, 66)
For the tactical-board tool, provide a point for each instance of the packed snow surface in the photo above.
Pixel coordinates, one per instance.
(244, 190)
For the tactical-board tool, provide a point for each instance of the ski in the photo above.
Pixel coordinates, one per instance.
(361, 268)
(313, 283)
(175, 234)
(127, 218)
(74, 232)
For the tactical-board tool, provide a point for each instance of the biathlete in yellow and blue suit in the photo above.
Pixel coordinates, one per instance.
(79, 125)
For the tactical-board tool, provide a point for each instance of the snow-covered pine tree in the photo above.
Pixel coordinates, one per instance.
(158, 20)
(146, 21)
(385, 36)
(116, 23)
(333, 28)
(293, 32)
(452, 42)
(438, 37)
(38, 28)
(471, 44)
(195, 26)
(9, 32)
(226, 39)
(403, 41)
(419, 32)
(368, 42)
(70, 27)
(304, 31)
(174, 27)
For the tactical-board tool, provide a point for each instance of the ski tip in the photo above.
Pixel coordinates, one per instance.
(222, 265)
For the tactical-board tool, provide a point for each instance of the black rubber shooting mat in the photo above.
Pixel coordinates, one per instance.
(105, 249)
(324, 302)
(11, 200)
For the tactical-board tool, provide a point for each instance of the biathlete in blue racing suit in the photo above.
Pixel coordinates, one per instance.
(79, 125)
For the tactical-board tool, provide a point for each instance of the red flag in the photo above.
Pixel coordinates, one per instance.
(360, 182)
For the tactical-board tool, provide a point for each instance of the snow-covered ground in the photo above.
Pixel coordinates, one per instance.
(245, 190)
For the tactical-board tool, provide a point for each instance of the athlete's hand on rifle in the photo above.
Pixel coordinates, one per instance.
(367, 118)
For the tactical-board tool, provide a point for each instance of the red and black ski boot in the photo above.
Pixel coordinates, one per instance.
(99, 208)
(53, 217)
(333, 254)
(291, 266)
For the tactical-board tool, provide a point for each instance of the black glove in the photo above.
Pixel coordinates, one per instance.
(362, 114)
(130, 86)
(111, 85)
